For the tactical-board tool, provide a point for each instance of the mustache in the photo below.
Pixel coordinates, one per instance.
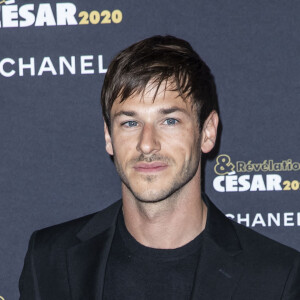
(149, 159)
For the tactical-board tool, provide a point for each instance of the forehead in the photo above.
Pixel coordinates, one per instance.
(152, 100)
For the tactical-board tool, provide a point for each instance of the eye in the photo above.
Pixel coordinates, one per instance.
(130, 124)
(170, 121)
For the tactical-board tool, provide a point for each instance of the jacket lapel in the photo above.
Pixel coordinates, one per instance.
(87, 260)
(218, 271)
(219, 268)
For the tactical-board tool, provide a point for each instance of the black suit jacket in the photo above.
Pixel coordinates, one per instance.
(67, 261)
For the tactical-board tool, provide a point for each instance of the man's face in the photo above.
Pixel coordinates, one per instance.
(155, 144)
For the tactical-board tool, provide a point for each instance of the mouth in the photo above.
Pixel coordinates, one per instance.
(150, 167)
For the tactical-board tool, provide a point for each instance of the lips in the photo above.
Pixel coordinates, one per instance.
(150, 167)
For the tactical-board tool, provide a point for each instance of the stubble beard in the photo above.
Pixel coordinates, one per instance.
(187, 173)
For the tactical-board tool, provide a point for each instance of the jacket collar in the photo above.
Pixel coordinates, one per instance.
(220, 230)
(100, 222)
(218, 270)
(87, 260)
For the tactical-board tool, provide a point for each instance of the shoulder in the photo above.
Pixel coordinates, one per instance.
(61, 235)
(256, 241)
(262, 257)
(275, 266)
(255, 246)
(260, 249)
(65, 234)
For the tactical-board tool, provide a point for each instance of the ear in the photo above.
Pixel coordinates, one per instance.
(209, 132)
(108, 146)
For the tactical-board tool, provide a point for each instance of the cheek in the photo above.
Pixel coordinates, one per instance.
(124, 150)
(183, 149)
(193, 147)
(180, 142)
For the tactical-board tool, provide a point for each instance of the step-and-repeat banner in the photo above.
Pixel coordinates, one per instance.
(53, 58)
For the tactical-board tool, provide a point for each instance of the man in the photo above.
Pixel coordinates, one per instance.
(164, 240)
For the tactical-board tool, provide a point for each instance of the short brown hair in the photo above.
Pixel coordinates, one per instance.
(158, 59)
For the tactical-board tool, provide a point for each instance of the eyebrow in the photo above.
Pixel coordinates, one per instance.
(128, 113)
(162, 111)
(166, 111)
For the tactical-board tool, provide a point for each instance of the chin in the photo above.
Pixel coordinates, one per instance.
(153, 196)
(145, 199)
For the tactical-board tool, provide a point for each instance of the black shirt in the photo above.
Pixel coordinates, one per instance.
(137, 272)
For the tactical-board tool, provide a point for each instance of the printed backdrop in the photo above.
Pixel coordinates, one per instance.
(53, 58)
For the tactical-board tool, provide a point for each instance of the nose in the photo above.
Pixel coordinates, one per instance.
(148, 141)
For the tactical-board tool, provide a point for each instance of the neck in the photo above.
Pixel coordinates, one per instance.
(170, 223)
